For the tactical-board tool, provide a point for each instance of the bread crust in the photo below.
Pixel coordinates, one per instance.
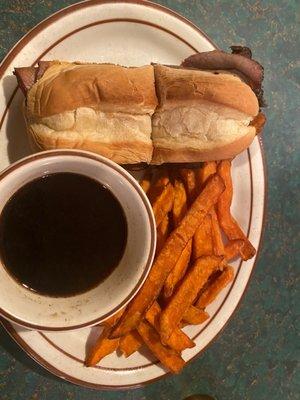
(201, 116)
(132, 152)
(177, 87)
(125, 97)
(106, 87)
(188, 155)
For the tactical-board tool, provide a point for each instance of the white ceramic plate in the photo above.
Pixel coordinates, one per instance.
(129, 33)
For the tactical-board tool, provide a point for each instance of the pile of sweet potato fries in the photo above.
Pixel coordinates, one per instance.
(191, 209)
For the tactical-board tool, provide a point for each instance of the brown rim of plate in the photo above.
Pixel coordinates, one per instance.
(148, 264)
(6, 61)
(89, 3)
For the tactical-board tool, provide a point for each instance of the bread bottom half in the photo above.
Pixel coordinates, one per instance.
(123, 138)
(201, 132)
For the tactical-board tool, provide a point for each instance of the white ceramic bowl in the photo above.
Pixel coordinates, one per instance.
(41, 312)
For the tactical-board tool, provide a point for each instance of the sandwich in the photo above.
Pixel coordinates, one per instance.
(202, 110)
(102, 108)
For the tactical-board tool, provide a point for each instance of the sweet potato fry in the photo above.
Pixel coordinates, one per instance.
(152, 315)
(258, 122)
(179, 211)
(179, 206)
(168, 257)
(194, 316)
(208, 168)
(178, 341)
(158, 186)
(163, 203)
(183, 323)
(212, 291)
(227, 222)
(232, 249)
(130, 343)
(111, 321)
(208, 239)
(162, 233)
(189, 179)
(162, 179)
(168, 357)
(102, 348)
(186, 294)
(178, 271)
(202, 240)
(218, 245)
(146, 182)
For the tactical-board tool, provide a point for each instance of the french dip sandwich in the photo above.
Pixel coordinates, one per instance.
(151, 114)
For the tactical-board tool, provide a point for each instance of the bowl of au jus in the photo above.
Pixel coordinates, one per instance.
(77, 240)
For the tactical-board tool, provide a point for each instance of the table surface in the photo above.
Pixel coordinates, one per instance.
(256, 355)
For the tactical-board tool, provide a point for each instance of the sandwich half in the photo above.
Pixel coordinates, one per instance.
(102, 108)
(202, 115)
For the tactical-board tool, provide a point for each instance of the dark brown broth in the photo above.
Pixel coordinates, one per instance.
(62, 234)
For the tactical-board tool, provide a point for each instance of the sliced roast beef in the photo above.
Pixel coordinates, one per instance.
(42, 66)
(242, 51)
(26, 77)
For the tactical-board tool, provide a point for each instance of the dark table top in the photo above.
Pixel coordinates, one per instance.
(256, 355)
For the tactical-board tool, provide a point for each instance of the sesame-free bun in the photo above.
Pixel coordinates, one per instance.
(201, 116)
(102, 108)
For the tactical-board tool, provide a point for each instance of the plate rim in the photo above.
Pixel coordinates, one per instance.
(12, 53)
(85, 4)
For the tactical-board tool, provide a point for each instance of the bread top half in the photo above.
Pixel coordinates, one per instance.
(176, 87)
(104, 87)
